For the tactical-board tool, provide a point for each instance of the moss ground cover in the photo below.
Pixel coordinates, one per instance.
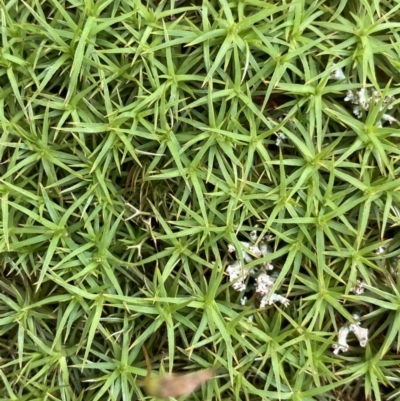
(217, 181)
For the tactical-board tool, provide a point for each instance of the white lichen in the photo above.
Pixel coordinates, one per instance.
(357, 111)
(280, 138)
(390, 119)
(268, 266)
(231, 248)
(263, 246)
(363, 98)
(360, 332)
(264, 282)
(237, 275)
(381, 250)
(359, 287)
(254, 250)
(388, 102)
(270, 299)
(253, 235)
(338, 74)
(349, 96)
(264, 285)
(264, 249)
(342, 340)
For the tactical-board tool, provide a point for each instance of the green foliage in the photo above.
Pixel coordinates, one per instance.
(138, 139)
